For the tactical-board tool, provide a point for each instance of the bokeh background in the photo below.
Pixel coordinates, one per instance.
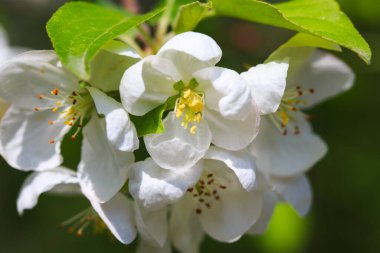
(346, 210)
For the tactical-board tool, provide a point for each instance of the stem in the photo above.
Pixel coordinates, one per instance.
(131, 43)
(164, 21)
(148, 39)
(131, 5)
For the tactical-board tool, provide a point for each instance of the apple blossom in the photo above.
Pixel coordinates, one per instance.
(117, 213)
(212, 104)
(34, 125)
(218, 191)
(286, 146)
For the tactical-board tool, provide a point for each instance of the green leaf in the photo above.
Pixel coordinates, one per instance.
(150, 123)
(190, 15)
(79, 30)
(321, 18)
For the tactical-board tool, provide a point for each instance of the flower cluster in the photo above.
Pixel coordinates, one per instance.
(232, 144)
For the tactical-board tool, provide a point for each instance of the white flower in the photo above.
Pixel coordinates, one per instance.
(213, 104)
(33, 127)
(117, 213)
(6, 52)
(286, 146)
(218, 191)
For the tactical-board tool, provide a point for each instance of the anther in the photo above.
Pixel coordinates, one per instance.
(210, 175)
(55, 92)
(193, 129)
(198, 211)
(52, 141)
(50, 122)
(311, 90)
(190, 189)
(36, 109)
(223, 187)
(40, 96)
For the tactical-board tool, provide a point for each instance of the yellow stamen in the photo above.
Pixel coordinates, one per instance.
(190, 105)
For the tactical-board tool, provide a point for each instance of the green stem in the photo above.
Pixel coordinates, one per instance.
(164, 21)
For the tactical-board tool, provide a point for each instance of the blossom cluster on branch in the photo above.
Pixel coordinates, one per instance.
(223, 147)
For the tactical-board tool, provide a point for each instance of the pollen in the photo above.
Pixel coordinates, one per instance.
(206, 192)
(286, 117)
(190, 106)
(71, 108)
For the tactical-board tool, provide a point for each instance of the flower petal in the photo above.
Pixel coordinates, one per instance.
(40, 182)
(186, 231)
(25, 137)
(225, 92)
(267, 83)
(103, 169)
(148, 84)
(232, 134)
(191, 51)
(155, 187)
(120, 130)
(177, 148)
(152, 225)
(276, 154)
(326, 75)
(294, 190)
(108, 68)
(26, 76)
(270, 200)
(240, 162)
(235, 211)
(118, 215)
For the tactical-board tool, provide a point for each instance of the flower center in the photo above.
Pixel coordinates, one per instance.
(206, 191)
(72, 108)
(81, 221)
(285, 118)
(190, 106)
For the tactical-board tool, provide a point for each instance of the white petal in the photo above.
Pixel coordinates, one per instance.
(190, 52)
(118, 215)
(280, 155)
(4, 42)
(294, 190)
(241, 163)
(225, 92)
(267, 83)
(34, 73)
(155, 187)
(103, 169)
(186, 231)
(148, 84)
(108, 68)
(40, 182)
(25, 137)
(152, 225)
(120, 130)
(234, 213)
(232, 134)
(177, 148)
(270, 200)
(326, 75)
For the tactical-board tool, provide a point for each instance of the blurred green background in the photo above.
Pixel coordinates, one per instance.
(346, 210)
